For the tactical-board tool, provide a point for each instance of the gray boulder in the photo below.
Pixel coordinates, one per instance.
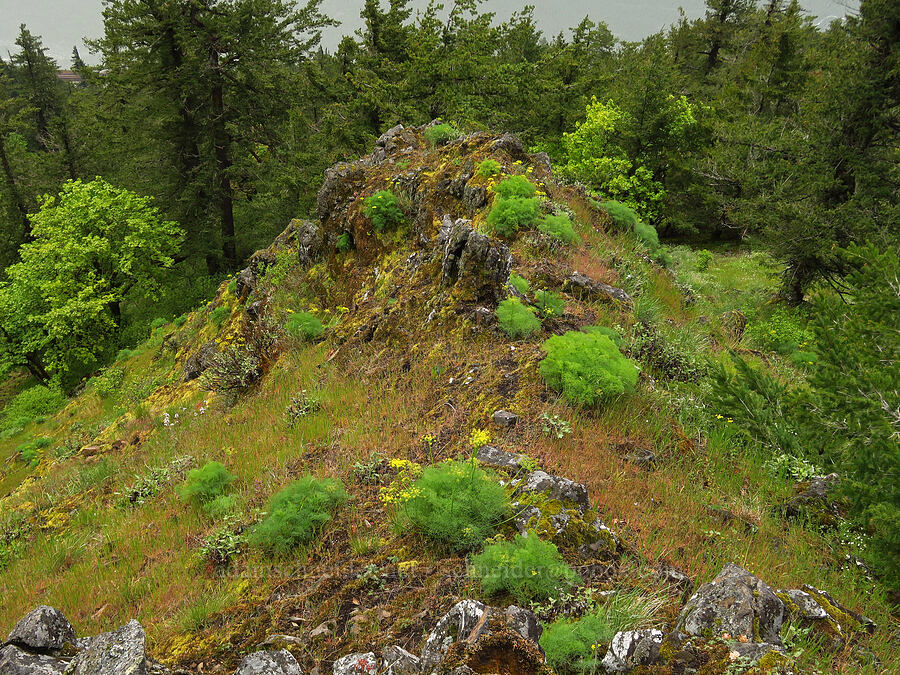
(388, 136)
(199, 361)
(280, 662)
(500, 459)
(457, 624)
(356, 664)
(631, 649)
(505, 419)
(474, 261)
(120, 652)
(510, 144)
(397, 661)
(751, 652)
(735, 602)
(44, 629)
(524, 622)
(310, 242)
(16, 661)
(583, 285)
(556, 487)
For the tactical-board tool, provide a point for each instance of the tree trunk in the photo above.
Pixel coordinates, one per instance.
(221, 143)
(14, 190)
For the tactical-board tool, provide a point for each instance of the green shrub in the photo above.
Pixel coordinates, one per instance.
(158, 322)
(344, 242)
(587, 367)
(782, 332)
(383, 209)
(218, 315)
(549, 304)
(220, 506)
(577, 646)
(126, 353)
(180, 321)
(663, 258)
(611, 333)
(489, 167)
(647, 235)
(510, 214)
(304, 326)
(517, 320)
(519, 283)
(560, 228)
(528, 569)
(109, 382)
(454, 504)
(803, 360)
(30, 451)
(297, 512)
(232, 286)
(623, 217)
(704, 258)
(205, 484)
(515, 186)
(440, 134)
(36, 401)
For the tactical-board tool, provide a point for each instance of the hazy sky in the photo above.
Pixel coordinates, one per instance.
(64, 23)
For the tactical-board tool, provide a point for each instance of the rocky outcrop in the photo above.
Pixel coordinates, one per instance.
(735, 603)
(17, 661)
(356, 664)
(818, 610)
(309, 240)
(473, 262)
(581, 285)
(631, 649)
(199, 361)
(120, 652)
(397, 661)
(815, 500)
(44, 630)
(500, 459)
(559, 509)
(457, 624)
(280, 662)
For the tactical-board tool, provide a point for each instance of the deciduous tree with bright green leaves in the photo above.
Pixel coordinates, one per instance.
(61, 306)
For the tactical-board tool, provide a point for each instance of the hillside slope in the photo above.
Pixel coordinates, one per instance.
(412, 369)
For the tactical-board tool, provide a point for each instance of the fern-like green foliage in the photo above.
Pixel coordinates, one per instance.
(520, 283)
(515, 186)
(577, 646)
(549, 304)
(488, 168)
(587, 368)
(456, 505)
(647, 235)
(297, 512)
(517, 320)
(560, 228)
(304, 326)
(383, 209)
(205, 484)
(623, 217)
(528, 569)
(440, 134)
(510, 214)
(344, 242)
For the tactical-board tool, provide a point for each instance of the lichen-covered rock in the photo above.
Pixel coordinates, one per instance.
(817, 609)
(356, 664)
(632, 648)
(767, 657)
(473, 262)
(735, 602)
(388, 136)
(474, 197)
(17, 661)
(505, 419)
(199, 361)
(580, 284)
(280, 662)
(558, 509)
(44, 629)
(120, 652)
(455, 625)
(497, 649)
(556, 487)
(397, 661)
(814, 501)
(500, 459)
(337, 188)
(510, 144)
(524, 622)
(310, 241)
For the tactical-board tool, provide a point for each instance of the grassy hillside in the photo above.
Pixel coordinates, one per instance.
(408, 367)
